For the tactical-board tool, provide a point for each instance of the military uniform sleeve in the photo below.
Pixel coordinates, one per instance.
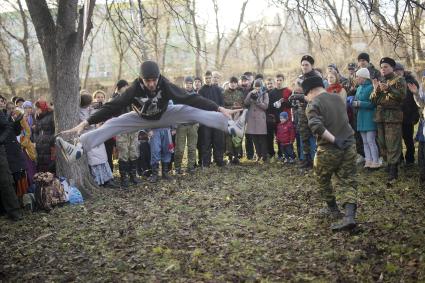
(315, 118)
(398, 90)
(179, 97)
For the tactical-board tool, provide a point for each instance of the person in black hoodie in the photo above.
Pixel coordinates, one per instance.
(211, 138)
(8, 199)
(149, 96)
(410, 115)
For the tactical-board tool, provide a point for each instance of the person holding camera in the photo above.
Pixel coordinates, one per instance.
(257, 102)
(388, 97)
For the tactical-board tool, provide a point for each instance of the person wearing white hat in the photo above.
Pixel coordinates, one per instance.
(365, 118)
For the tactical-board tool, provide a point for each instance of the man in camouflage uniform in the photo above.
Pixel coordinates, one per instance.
(307, 63)
(127, 146)
(336, 153)
(186, 132)
(233, 99)
(388, 96)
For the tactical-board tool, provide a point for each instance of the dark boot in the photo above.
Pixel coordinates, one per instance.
(165, 169)
(123, 169)
(307, 163)
(331, 210)
(133, 172)
(154, 176)
(393, 173)
(348, 221)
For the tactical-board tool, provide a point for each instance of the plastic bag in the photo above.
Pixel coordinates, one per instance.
(75, 196)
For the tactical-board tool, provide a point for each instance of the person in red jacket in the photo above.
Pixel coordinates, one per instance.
(285, 137)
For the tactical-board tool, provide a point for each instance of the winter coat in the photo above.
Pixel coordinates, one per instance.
(285, 133)
(44, 140)
(409, 107)
(256, 116)
(420, 101)
(9, 131)
(96, 155)
(212, 93)
(366, 110)
(275, 95)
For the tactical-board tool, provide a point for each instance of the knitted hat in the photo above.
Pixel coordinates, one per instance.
(258, 83)
(363, 73)
(27, 104)
(284, 115)
(149, 70)
(363, 56)
(121, 84)
(188, 79)
(387, 60)
(233, 80)
(398, 67)
(310, 83)
(307, 58)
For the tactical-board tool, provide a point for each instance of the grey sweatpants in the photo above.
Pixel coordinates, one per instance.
(131, 122)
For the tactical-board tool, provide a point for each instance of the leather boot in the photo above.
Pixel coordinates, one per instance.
(133, 172)
(154, 176)
(165, 169)
(123, 169)
(393, 172)
(331, 210)
(348, 221)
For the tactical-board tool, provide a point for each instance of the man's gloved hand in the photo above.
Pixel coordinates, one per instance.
(277, 104)
(341, 143)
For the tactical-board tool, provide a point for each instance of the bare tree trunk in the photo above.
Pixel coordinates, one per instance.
(6, 65)
(62, 45)
(164, 48)
(191, 7)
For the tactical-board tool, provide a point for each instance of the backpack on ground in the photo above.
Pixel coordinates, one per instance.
(49, 191)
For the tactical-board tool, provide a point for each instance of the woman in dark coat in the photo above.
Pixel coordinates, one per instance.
(44, 140)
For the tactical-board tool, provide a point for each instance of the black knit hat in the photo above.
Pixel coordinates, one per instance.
(233, 80)
(149, 70)
(121, 84)
(363, 56)
(388, 60)
(188, 79)
(310, 83)
(307, 58)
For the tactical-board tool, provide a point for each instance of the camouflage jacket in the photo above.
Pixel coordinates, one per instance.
(388, 102)
(233, 98)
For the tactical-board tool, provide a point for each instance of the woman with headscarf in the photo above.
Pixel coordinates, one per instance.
(44, 132)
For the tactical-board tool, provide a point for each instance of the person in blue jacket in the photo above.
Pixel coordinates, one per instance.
(365, 118)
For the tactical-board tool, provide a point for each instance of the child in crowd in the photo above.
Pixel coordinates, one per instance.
(285, 137)
(162, 147)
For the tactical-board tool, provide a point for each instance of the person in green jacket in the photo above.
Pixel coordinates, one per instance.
(336, 151)
(388, 97)
(366, 125)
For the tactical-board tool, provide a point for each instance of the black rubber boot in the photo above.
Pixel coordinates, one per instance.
(393, 173)
(123, 169)
(133, 172)
(165, 169)
(331, 210)
(348, 221)
(307, 163)
(154, 176)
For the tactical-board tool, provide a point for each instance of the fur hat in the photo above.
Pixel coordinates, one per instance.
(363, 56)
(307, 58)
(149, 70)
(312, 82)
(387, 60)
(363, 73)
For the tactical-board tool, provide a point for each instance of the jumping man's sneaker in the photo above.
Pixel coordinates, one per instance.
(70, 152)
(236, 128)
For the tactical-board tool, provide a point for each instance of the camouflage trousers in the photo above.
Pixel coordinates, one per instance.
(330, 161)
(127, 146)
(305, 133)
(389, 141)
(186, 134)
